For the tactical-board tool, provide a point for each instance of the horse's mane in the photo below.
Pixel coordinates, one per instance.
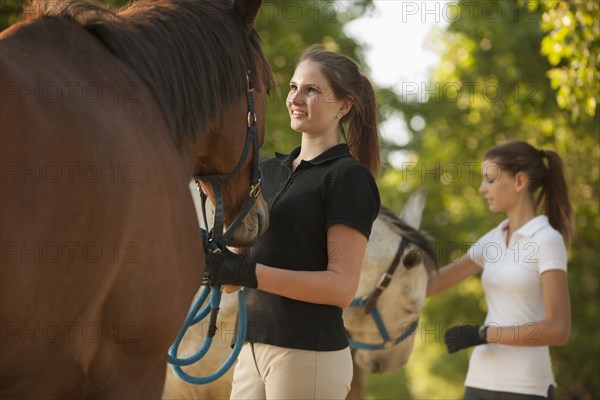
(413, 235)
(193, 55)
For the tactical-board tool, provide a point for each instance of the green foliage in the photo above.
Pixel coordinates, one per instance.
(571, 45)
(394, 386)
(491, 85)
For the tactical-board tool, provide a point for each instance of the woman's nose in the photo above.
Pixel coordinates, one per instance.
(481, 187)
(294, 97)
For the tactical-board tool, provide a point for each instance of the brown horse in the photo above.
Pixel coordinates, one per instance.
(105, 117)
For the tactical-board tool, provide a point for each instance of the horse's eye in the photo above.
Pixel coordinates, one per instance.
(411, 259)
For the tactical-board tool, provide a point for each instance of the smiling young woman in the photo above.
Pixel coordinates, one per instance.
(306, 267)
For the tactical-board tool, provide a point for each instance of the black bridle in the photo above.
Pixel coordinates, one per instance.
(215, 240)
(370, 304)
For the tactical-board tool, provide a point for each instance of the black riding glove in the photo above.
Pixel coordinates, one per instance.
(227, 268)
(463, 336)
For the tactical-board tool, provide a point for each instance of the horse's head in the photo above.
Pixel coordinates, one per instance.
(383, 321)
(200, 78)
(231, 151)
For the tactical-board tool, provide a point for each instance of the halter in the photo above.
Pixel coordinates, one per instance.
(370, 304)
(215, 239)
(214, 242)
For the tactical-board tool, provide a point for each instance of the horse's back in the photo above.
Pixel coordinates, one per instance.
(92, 198)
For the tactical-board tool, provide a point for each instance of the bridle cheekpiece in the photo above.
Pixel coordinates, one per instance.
(370, 304)
(215, 240)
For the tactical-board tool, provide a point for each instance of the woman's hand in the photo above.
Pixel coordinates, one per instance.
(227, 268)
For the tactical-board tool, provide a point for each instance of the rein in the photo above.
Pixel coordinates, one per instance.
(370, 304)
(215, 241)
(196, 315)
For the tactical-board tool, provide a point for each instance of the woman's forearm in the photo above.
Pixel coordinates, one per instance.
(320, 287)
(538, 333)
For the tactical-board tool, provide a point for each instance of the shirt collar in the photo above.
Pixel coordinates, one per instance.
(338, 151)
(533, 225)
(530, 228)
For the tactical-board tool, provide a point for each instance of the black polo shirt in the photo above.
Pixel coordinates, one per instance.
(332, 188)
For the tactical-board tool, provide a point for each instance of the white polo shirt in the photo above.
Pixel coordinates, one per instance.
(512, 283)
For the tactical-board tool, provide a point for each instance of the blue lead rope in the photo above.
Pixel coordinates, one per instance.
(194, 316)
(197, 314)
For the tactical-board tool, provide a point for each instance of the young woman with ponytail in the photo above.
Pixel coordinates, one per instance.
(524, 264)
(322, 201)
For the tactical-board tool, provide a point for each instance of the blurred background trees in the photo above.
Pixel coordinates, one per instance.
(521, 75)
(523, 70)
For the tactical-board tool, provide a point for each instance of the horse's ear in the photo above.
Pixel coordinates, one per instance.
(412, 212)
(247, 10)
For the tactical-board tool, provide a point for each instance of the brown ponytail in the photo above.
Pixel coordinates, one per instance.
(359, 126)
(546, 172)
(554, 198)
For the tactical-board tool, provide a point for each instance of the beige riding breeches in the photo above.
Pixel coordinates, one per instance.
(277, 373)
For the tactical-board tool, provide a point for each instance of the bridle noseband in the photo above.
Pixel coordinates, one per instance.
(370, 304)
(215, 240)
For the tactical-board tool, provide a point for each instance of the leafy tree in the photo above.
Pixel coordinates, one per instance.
(571, 45)
(491, 86)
